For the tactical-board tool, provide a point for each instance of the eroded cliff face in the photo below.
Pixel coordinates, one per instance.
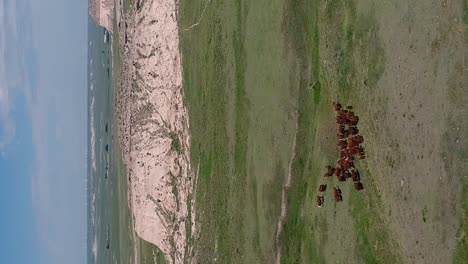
(154, 127)
(102, 12)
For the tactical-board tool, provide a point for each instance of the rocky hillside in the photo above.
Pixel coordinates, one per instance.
(102, 12)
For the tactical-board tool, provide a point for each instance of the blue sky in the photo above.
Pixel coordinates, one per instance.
(43, 131)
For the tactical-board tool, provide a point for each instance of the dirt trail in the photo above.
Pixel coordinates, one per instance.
(199, 18)
(284, 199)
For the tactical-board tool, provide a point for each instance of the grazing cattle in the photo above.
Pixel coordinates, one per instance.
(358, 186)
(340, 120)
(330, 171)
(358, 139)
(341, 128)
(344, 153)
(350, 147)
(353, 151)
(346, 134)
(342, 144)
(349, 114)
(341, 178)
(337, 194)
(320, 201)
(322, 187)
(337, 106)
(355, 175)
(346, 174)
(353, 130)
(344, 163)
(354, 121)
(338, 171)
(361, 151)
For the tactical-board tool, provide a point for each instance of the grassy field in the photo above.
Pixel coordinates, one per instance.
(461, 253)
(260, 74)
(255, 69)
(242, 124)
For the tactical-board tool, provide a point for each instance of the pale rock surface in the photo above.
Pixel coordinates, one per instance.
(152, 120)
(102, 12)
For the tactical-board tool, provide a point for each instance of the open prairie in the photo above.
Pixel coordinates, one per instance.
(259, 80)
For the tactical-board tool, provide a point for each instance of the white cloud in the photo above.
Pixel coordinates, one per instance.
(10, 76)
(57, 109)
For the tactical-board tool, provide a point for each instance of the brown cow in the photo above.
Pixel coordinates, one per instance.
(344, 153)
(322, 187)
(320, 201)
(353, 121)
(356, 176)
(337, 194)
(338, 171)
(337, 106)
(353, 151)
(341, 178)
(340, 120)
(349, 114)
(341, 128)
(345, 164)
(353, 130)
(330, 171)
(346, 134)
(361, 151)
(346, 174)
(357, 139)
(358, 186)
(342, 144)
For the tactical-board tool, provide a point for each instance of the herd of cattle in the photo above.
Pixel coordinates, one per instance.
(349, 144)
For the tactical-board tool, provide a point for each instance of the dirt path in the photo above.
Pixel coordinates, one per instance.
(284, 199)
(199, 18)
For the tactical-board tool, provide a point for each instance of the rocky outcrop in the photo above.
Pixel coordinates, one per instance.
(154, 128)
(102, 12)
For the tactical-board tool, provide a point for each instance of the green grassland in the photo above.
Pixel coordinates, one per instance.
(257, 76)
(241, 97)
(243, 86)
(461, 252)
